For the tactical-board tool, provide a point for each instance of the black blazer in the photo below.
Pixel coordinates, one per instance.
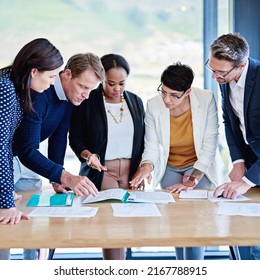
(235, 140)
(88, 131)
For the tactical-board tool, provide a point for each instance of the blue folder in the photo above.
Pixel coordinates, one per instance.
(56, 199)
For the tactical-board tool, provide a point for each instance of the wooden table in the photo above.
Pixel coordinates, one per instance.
(184, 223)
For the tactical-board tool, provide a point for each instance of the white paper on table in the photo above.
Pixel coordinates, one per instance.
(118, 194)
(239, 209)
(135, 210)
(77, 201)
(193, 194)
(223, 199)
(77, 212)
(150, 197)
(16, 195)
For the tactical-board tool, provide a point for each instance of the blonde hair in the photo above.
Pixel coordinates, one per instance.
(81, 62)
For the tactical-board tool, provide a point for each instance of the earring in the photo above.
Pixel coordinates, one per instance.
(32, 76)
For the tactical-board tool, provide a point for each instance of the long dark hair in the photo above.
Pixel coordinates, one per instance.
(39, 54)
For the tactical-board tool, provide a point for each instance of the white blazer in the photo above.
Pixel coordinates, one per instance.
(205, 134)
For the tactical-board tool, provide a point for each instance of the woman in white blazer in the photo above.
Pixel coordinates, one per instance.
(181, 135)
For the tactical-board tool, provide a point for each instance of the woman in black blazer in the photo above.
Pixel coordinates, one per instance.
(107, 133)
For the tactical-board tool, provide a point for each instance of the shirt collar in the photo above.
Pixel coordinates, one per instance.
(59, 89)
(242, 80)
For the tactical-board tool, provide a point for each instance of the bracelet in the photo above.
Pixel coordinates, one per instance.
(87, 158)
(96, 155)
(189, 178)
(149, 162)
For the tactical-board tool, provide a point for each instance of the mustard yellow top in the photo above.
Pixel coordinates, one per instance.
(182, 150)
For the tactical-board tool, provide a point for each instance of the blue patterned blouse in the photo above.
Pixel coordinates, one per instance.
(10, 117)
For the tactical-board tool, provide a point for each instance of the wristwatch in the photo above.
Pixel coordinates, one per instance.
(193, 180)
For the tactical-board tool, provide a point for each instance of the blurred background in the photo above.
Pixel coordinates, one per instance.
(150, 34)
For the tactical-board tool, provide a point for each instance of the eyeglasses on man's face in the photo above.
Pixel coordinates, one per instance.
(217, 73)
(171, 94)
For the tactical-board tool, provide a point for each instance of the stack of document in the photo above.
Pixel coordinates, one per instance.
(239, 209)
(135, 210)
(194, 194)
(80, 212)
(122, 195)
(205, 194)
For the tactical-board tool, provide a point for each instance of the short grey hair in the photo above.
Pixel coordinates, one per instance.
(230, 47)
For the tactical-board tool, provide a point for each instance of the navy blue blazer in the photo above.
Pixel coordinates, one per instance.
(88, 131)
(235, 140)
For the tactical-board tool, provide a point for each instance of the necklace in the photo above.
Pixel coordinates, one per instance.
(117, 119)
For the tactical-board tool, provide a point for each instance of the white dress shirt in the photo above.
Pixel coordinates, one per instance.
(237, 94)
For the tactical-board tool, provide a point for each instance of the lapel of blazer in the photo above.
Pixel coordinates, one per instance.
(196, 120)
(225, 94)
(249, 85)
(131, 107)
(99, 103)
(164, 127)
